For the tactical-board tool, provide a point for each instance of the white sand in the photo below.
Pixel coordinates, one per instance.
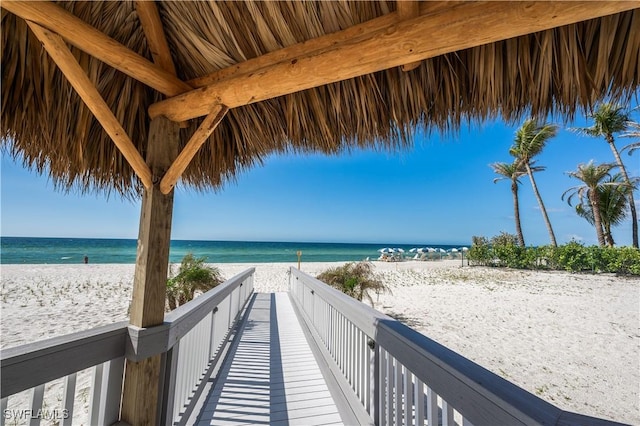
(574, 340)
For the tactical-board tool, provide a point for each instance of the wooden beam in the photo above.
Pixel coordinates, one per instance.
(318, 44)
(88, 39)
(141, 385)
(64, 59)
(462, 25)
(408, 9)
(152, 26)
(198, 138)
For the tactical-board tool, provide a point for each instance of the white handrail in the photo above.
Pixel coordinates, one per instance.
(38, 367)
(402, 377)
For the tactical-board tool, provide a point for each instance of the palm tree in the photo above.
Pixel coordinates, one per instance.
(530, 140)
(513, 172)
(633, 131)
(607, 120)
(592, 175)
(613, 206)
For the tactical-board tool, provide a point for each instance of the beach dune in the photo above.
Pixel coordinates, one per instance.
(571, 339)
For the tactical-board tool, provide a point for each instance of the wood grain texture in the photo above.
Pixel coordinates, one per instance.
(461, 26)
(60, 53)
(90, 40)
(154, 32)
(198, 138)
(141, 384)
(140, 393)
(408, 9)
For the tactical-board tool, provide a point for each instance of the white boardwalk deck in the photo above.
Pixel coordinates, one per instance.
(270, 375)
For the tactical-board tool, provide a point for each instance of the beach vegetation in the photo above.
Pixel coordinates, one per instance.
(593, 176)
(355, 279)
(503, 251)
(192, 276)
(531, 138)
(513, 171)
(613, 207)
(609, 119)
(633, 131)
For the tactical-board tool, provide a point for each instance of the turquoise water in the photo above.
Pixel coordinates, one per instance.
(21, 250)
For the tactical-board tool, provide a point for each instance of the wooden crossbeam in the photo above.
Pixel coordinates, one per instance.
(198, 138)
(94, 42)
(460, 26)
(64, 59)
(408, 9)
(152, 26)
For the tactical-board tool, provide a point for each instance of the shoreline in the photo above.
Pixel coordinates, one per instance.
(571, 339)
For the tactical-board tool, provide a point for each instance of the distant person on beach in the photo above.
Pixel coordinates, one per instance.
(86, 259)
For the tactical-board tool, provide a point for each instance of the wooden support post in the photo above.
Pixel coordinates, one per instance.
(140, 399)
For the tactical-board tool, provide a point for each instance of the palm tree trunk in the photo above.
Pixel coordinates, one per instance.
(632, 204)
(552, 236)
(608, 236)
(595, 207)
(516, 212)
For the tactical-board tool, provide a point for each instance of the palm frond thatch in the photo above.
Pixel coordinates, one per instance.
(47, 127)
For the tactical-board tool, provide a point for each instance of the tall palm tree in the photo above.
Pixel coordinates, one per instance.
(530, 140)
(592, 176)
(513, 172)
(607, 120)
(613, 206)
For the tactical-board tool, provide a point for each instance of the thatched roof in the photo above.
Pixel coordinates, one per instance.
(46, 125)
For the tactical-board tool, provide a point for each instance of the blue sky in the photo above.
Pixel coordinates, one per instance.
(439, 192)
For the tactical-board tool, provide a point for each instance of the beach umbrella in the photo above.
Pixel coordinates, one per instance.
(414, 250)
(386, 250)
(399, 250)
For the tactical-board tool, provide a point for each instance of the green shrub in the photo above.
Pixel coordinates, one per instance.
(480, 252)
(502, 250)
(355, 280)
(192, 276)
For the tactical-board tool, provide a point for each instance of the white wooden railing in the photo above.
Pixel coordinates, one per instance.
(397, 376)
(191, 340)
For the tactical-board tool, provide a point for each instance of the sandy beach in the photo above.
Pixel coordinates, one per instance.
(572, 339)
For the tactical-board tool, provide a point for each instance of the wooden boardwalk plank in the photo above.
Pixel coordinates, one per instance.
(270, 376)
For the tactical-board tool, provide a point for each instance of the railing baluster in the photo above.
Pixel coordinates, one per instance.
(398, 392)
(37, 397)
(3, 406)
(432, 407)
(447, 414)
(419, 397)
(109, 404)
(68, 398)
(169, 395)
(96, 389)
(388, 386)
(408, 396)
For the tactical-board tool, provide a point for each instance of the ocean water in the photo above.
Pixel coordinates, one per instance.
(22, 250)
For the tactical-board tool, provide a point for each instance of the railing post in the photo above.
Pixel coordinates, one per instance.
(374, 381)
